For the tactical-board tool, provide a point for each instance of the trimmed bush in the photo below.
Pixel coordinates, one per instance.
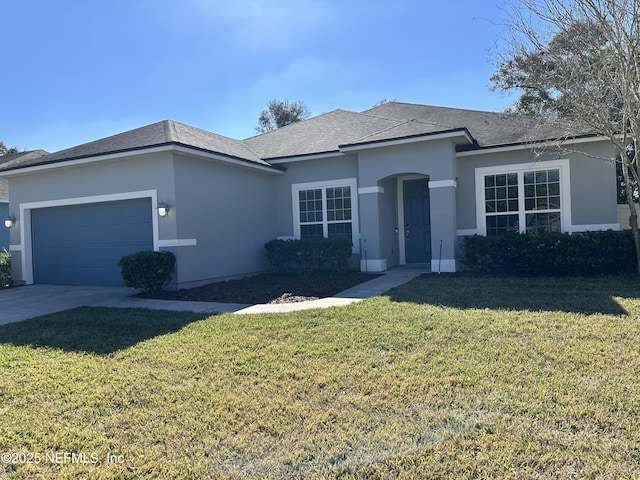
(147, 271)
(552, 253)
(5, 269)
(309, 254)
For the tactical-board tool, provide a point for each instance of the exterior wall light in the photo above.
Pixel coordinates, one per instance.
(163, 210)
(9, 222)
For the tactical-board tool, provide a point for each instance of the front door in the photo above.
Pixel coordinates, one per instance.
(417, 228)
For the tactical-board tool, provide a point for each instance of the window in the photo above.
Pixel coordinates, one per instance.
(325, 209)
(524, 199)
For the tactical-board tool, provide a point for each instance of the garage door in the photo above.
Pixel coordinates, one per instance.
(81, 244)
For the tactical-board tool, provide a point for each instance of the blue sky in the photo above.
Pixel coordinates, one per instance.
(80, 70)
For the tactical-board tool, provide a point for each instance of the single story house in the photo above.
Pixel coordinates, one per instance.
(405, 182)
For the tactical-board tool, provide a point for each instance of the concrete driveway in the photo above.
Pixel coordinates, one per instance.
(21, 303)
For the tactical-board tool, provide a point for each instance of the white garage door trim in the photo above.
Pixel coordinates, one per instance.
(25, 224)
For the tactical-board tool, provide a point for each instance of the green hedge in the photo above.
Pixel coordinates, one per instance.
(309, 254)
(147, 271)
(5, 269)
(552, 253)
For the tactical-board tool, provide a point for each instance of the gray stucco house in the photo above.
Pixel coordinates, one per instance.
(405, 182)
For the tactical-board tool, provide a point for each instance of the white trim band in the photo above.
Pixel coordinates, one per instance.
(443, 183)
(178, 242)
(366, 190)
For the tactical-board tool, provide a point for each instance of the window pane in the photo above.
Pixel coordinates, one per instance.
(541, 190)
(554, 175)
(339, 208)
(489, 181)
(529, 191)
(502, 224)
(311, 231)
(490, 206)
(501, 180)
(339, 230)
(542, 195)
(528, 178)
(543, 222)
(554, 203)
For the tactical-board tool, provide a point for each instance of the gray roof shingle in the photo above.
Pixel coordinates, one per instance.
(321, 134)
(166, 132)
(487, 128)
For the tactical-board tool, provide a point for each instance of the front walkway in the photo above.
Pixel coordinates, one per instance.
(32, 301)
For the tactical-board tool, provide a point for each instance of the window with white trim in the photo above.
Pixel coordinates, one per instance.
(522, 200)
(325, 209)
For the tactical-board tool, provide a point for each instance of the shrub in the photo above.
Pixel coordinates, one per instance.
(552, 253)
(309, 254)
(147, 271)
(5, 269)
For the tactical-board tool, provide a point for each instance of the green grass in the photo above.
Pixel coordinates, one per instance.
(446, 377)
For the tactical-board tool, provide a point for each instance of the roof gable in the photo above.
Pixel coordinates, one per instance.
(487, 128)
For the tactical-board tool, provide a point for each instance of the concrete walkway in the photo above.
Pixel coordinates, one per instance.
(372, 288)
(21, 303)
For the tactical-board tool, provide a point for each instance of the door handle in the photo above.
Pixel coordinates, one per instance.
(406, 230)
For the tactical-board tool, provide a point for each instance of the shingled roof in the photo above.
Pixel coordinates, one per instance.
(322, 134)
(166, 132)
(489, 129)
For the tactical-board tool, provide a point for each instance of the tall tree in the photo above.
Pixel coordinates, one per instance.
(280, 113)
(579, 61)
(4, 149)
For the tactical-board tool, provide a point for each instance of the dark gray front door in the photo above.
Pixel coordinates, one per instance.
(81, 244)
(417, 228)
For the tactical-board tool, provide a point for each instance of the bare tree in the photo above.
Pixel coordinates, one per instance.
(581, 58)
(280, 113)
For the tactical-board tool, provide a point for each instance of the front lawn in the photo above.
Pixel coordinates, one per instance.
(446, 377)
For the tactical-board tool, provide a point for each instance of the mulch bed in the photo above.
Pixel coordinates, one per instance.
(272, 288)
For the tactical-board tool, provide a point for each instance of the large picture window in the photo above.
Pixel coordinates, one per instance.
(325, 209)
(522, 200)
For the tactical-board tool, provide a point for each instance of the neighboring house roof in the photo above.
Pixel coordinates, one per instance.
(325, 133)
(10, 159)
